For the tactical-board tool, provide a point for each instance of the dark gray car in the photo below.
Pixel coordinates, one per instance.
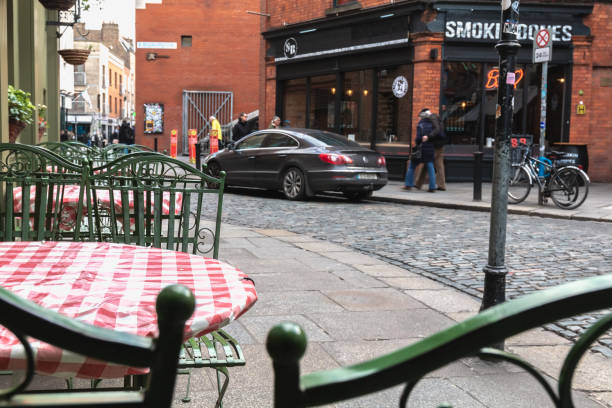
(301, 163)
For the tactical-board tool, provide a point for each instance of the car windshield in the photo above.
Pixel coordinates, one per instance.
(331, 139)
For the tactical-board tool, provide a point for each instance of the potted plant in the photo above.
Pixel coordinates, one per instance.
(21, 111)
(42, 120)
(62, 5)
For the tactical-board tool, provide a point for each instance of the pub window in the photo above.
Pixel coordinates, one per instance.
(393, 120)
(110, 77)
(322, 96)
(460, 103)
(115, 80)
(356, 107)
(294, 102)
(186, 40)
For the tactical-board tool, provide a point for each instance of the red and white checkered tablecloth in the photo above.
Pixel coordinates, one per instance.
(71, 201)
(113, 286)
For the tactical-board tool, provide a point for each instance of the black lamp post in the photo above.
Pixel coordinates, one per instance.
(507, 47)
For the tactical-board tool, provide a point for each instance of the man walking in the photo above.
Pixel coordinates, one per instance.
(425, 148)
(438, 139)
(240, 129)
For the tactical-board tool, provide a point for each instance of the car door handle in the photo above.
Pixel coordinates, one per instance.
(251, 157)
(282, 155)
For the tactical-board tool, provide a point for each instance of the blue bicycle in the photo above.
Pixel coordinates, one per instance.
(567, 186)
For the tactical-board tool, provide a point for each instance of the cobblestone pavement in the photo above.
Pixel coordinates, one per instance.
(450, 246)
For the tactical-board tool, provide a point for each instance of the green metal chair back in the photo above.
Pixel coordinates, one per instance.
(69, 151)
(35, 185)
(286, 345)
(115, 151)
(157, 201)
(175, 304)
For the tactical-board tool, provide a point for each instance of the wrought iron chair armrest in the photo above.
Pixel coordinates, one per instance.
(49, 154)
(286, 344)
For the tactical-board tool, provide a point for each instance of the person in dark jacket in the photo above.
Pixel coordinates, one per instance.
(424, 131)
(438, 138)
(125, 133)
(240, 129)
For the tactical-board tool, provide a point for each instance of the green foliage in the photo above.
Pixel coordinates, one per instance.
(20, 106)
(87, 4)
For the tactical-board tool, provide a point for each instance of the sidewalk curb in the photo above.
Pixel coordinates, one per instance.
(484, 208)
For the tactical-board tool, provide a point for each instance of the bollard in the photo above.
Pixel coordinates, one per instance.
(478, 176)
(192, 142)
(173, 140)
(198, 158)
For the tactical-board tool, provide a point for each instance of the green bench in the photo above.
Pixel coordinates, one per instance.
(286, 344)
(174, 306)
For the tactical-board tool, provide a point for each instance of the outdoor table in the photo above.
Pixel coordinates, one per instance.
(70, 202)
(113, 286)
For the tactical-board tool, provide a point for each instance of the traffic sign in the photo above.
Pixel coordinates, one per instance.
(542, 38)
(542, 46)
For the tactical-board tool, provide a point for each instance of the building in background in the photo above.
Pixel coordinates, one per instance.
(104, 85)
(366, 68)
(203, 60)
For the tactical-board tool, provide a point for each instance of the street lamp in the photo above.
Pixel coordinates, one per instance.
(507, 47)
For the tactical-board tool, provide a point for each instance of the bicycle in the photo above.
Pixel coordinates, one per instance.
(567, 186)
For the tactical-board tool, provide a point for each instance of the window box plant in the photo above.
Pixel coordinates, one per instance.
(21, 111)
(42, 120)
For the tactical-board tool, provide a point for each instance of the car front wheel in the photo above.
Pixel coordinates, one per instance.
(293, 184)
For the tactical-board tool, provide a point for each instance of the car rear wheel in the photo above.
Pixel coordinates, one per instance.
(294, 184)
(358, 195)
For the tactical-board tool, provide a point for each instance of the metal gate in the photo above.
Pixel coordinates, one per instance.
(198, 106)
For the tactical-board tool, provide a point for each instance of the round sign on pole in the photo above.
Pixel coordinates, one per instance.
(542, 38)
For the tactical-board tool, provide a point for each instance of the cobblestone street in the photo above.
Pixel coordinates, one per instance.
(449, 246)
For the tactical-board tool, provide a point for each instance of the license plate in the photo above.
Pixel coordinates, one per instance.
(367, 176)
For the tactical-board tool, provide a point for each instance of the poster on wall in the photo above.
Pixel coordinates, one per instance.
(154, 118)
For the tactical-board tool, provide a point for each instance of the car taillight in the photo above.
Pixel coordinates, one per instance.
(381, 161)
(334, 158)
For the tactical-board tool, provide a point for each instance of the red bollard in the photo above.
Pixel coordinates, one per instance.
(173, 140)
(192, 142)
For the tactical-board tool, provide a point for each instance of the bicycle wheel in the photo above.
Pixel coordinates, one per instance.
(568, 188)
(519, 186)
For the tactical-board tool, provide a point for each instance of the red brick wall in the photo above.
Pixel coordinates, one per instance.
(592, 69)
(426, 90)
(290, 12)
(225, 56)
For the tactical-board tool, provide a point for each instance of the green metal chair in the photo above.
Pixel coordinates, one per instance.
(115, 151)
(286, 345)
(159, 201)
(75, 152)
(175, 304)
(42, 179)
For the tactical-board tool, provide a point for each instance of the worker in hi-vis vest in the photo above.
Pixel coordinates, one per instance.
(216, 137)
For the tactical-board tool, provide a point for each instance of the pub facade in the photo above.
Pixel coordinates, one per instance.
(365, 70)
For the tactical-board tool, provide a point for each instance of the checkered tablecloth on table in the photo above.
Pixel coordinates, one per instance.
(71, 201)
(113, 286)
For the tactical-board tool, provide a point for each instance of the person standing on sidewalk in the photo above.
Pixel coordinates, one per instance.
(241, 128)
(424, 131)
(438, 138)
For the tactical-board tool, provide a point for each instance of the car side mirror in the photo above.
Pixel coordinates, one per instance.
(231, 146)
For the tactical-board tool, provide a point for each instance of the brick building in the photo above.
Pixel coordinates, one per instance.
(366, 68)
(102, 101)
(195, 58)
